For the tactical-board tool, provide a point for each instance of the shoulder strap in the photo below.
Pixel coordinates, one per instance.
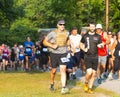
(56, 30)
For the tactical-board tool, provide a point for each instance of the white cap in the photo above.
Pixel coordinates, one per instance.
(21, 46)
(98, 26)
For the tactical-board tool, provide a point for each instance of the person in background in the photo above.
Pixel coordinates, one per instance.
(16, 49)
(28, 46)
(1, 65)
(5, 57)
(12, 59)
(21, 58)
(110, 65)
(1, 51)
(102, 53)
(82, 62)
(74, 39)
(45, 55)
(37, 55)
(115, 51)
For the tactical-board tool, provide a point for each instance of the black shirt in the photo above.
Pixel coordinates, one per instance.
(117, 50)
(91, 42)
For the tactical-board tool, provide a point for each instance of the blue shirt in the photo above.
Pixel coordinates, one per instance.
(28, 47)
(28, 44)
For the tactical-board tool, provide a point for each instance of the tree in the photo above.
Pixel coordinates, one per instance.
(114, 13)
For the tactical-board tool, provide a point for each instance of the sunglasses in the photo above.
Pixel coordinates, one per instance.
(61, 24)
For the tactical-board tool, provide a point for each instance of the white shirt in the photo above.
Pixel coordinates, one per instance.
(75, 41)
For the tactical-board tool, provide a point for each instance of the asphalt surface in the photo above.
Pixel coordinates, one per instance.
(111, 85)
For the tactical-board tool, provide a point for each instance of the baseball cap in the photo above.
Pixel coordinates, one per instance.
(74, 28)
(83, 30)
(61, 22)
(109, 33)
(21, 46)
(98, 26)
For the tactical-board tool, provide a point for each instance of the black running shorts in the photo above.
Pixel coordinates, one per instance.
(56, 59)
(91, 62)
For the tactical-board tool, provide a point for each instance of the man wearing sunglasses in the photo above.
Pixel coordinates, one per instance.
(56, 41)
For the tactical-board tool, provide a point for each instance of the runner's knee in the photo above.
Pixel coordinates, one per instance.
(89, 71)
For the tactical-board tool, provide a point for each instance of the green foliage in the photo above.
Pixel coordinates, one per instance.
(114, 15)
(25, 17)
(23, 27)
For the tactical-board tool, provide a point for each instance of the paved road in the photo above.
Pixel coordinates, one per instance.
(112, 85)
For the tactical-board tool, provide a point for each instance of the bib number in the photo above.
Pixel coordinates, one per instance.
(28, 49)
(64, 59)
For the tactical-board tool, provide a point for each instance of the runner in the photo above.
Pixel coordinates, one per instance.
(102, 53)
(37, 55)
(110, 65)
(21, 58)
(56, 41)
(12, 59)
(44, 57)
(28, 46)
(5, 57)
(115, 51)
(89, 44)
(75, 48)
(82, 61)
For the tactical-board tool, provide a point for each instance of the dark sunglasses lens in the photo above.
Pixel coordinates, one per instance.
(61, 24)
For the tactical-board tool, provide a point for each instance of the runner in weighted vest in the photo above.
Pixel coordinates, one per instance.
(59, 39)
(56, 40)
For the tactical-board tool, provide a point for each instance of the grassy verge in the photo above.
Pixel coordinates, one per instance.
(36, 84)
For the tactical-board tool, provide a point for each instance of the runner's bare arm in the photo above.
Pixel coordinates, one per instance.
(107, 39)
(112, 48)
(48, 44)
(82, 46)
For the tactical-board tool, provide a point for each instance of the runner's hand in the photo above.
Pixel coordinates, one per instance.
(85, 49)
(54, 46)
(100, 45)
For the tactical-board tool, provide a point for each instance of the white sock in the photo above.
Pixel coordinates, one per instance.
(73, 73)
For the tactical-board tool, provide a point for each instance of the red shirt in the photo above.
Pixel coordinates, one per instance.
(102, 51)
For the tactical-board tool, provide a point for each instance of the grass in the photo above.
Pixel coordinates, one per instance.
(36, 84)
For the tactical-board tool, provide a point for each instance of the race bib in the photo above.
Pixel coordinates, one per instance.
(5, 54)
(119, 53)
(0, 57)
(38, 52)
(64, 59)
(45, 49)
(21, 54)
(28, 49)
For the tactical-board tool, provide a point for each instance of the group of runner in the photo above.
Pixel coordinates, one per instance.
(24, 57)
(94, 51)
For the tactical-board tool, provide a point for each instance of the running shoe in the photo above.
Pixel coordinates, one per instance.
(86, 87)
(110, 76)
(64, 90)
(51, 87)
(74, 76)
(90, 91)
(99, 80)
